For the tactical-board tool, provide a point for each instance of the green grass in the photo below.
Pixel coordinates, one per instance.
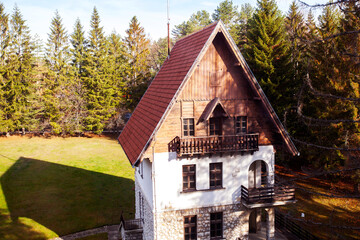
(53, 187)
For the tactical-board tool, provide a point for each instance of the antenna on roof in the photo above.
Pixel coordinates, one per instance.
(168, 27)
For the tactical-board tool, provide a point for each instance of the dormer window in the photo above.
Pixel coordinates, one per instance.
(188, 127)
(241, 125)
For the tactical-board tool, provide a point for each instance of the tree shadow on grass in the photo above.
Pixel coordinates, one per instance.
(65, 199)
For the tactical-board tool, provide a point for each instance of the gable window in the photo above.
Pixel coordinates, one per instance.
(215, 126)
(216, 225)
(241, 124)
(141, 169)
(190, 231)
(188, 127)
(189, 177)
(215, 175)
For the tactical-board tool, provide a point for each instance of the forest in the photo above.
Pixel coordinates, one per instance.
(89, 81)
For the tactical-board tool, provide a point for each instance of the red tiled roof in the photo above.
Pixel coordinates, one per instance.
(158, 96)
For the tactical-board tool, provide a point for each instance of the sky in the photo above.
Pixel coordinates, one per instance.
(115, 15)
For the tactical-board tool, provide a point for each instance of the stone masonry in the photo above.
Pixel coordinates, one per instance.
(235, 222)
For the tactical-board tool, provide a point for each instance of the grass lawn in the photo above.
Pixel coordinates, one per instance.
(53, 187)
(322, 209)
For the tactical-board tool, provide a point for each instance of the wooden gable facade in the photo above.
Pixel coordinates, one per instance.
(219, 96)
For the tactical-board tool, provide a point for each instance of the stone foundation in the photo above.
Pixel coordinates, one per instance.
(235, 222)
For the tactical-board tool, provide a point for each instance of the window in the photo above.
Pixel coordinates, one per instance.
(215, 175)
(189, 179)
(190, 227)
(188, 126)
(216, 225)
(141, 169)
(241, 124)
(215, 126)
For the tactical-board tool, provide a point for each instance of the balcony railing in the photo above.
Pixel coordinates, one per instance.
(215, 144)
(268, 196)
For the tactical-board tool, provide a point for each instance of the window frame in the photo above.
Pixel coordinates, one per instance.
(239, 120)
(187, 174)
(189, 224)
(214, 221)
(187, 123)
(213, 173)
(213, 122)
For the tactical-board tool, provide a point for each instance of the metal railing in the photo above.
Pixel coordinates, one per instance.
(214, 144)
(267, 194)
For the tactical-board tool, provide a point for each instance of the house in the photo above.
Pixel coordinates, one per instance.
(203, 140)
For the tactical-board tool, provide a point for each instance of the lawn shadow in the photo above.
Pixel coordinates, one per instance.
(65, 199)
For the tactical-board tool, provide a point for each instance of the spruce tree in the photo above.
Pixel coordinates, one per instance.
(56, 96)
(295, 31)
(78, 50)
(267, 53)
(138, 73)
(17, 78)
(4, 43)
(98, 89)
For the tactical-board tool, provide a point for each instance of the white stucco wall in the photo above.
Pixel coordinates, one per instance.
(167, 171)
(145, 182)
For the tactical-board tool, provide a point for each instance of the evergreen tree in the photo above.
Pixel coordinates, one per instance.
(159, 53)
(197, 21)
(99, 92)
(138, 73)
(17, 78)
(4, 43)
(267, 53)
(117, 67)
(295, 29)
(56, 95)
(228, 13)
(241, 28)
(78, 50)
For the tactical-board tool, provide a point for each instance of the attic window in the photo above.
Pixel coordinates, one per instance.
(241, 124)
(188, 127)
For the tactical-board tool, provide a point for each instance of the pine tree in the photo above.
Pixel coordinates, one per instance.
(267, 53)
(241, 28)
(56, 95)
(17, 78)
(99, 92)
(138, 73)
(197, 21)
(229, 15)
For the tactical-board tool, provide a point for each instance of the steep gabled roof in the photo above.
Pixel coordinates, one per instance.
(162, 92)
(158, 96)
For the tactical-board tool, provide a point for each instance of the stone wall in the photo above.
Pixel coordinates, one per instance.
(235, 222)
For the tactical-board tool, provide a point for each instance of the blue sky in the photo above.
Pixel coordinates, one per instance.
(116, 14)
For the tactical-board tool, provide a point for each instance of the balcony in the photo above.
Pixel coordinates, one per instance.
(267, 196)
(214, 144)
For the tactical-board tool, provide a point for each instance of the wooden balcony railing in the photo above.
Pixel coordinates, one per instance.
(215, 144)
(267, 195)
